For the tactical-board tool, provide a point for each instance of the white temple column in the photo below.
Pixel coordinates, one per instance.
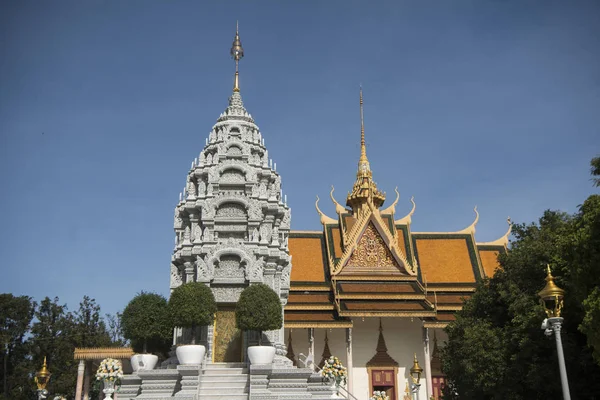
(86, 381)
(311, 343)
(79, 387)
(349, 358)
(428, 379)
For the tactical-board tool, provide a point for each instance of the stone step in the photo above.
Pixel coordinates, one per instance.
(224, 396)
(221, 390)
(225, 365)
(204, 384)
(224, 371)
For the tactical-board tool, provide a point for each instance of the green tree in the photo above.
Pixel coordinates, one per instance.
(145, 319)
(52, 337)
(191, 305)
(496, 349)
(16, 314)
(595, 163)
(259, 309)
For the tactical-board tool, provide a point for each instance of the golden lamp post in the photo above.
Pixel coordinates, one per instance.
(551, 298)
(42, 377)
(415, 375)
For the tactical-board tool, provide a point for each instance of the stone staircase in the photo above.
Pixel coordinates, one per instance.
(220, 381)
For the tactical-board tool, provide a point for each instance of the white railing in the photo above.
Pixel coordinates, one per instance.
(309, 363)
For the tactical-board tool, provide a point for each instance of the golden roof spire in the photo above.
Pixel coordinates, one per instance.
(363, 163)
(237, 52)
(364, 190)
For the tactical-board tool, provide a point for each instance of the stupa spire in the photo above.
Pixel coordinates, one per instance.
(237, 52)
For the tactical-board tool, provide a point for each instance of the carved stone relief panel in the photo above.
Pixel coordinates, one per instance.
(227, 294)
(229, 266)
(232, 176)
(231, 210)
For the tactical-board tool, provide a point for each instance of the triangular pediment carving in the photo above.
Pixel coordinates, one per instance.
(371, 248)
(372, 252)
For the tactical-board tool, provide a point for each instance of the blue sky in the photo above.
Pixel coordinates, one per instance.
(104, 104)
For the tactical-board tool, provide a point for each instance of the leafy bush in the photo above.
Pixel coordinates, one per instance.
(259, 309)
(145, 319)
(191, 305)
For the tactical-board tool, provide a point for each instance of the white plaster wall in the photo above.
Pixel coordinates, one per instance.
(337, 342)
(403, 338)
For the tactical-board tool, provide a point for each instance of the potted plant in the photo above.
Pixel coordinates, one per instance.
(145, 320)
(192, 305)
(259, 309)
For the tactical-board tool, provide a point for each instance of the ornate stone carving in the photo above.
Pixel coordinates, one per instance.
(255, 210)
(203, 272)
(176, 279)
(191, 188)
(255, 271)
(196, 233)
(371, 251)
(262, 190)
(178, 223)
(229, 266)
(232, 176)
(227, 294)
(231, 210)
(201, 188)
(234, 151)
(287, 217)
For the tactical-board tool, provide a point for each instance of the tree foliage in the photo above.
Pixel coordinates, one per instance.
(496, 349)
(259, 309)
(48, 330)
(145, 319)
(16, 314)
(192, 304)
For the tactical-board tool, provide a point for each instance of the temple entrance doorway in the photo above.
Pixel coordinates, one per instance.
(227, 339)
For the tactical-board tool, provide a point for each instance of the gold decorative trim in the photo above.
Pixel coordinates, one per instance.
(445, 289)
(309, 288)
(328, 325)
(411, 314)
(295, 307)
(391, 210)
(381, 296)
(449, 308)
(295, 232)
(97, 353)
(375, 278)
(324, 218)
(435, 324)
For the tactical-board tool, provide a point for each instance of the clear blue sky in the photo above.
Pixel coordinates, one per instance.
(104, 104)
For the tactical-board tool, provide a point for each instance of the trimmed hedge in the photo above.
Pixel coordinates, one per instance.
(146, 320)
(259, 309)
(192, 304)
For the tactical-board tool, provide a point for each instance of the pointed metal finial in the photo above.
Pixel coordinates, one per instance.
(363, 163)
(237, 52)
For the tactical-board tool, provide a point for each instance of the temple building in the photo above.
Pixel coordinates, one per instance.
(364, 288)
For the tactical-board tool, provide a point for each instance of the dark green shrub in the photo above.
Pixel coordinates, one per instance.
(191, 305)
(259, 309)
(145, 319)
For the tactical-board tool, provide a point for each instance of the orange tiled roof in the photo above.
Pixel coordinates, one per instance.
(444, 259)
(489, 261)
(337, 242)
(308, 264)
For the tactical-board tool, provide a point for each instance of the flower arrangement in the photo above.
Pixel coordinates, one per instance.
(333, 370)
(109, 370)
(379, 395)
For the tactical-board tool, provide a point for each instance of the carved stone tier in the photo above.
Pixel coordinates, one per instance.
(231, 223)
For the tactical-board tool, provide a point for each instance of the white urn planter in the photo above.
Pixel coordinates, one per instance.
(190, 354)
(261, 354)
(141, 362)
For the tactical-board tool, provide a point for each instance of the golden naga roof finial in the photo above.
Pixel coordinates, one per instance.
(364, 190)
(237, 52)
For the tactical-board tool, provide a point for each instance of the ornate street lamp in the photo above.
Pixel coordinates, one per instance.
(42, 377)
(551, 298)
(415, 375)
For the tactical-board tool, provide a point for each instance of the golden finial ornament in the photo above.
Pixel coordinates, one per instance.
(416, 371)
(42, 376)
(237, 52)
(551, 296)
(364, 190)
